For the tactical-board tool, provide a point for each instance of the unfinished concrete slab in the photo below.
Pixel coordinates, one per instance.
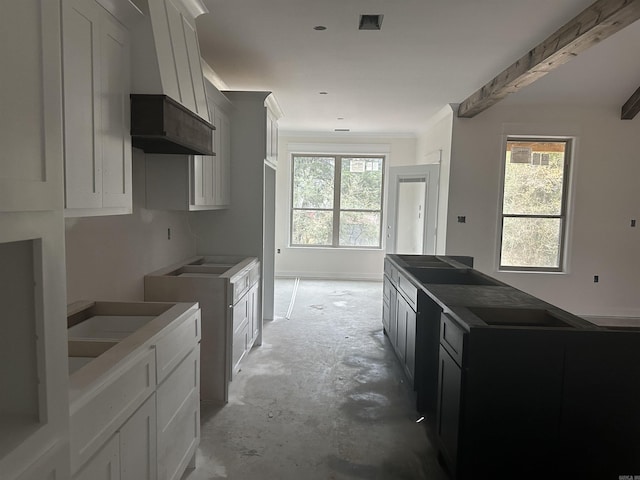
(323, 398)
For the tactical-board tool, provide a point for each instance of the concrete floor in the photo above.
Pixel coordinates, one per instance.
(323, 398)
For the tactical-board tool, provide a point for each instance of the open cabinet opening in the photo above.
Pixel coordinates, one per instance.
(21, 400)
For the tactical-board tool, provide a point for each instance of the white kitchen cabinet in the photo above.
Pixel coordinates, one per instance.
(96, 60)
(130, 454)
(221, 191)
(178, 419)
(194, 182)
(53, 465)
(34, 432)
(135, 378)
(247, 227)
(216, 283)
(33, 376)
(167, 54)
(246, 315)
(137, 444)
(105, 464)
(31, 106)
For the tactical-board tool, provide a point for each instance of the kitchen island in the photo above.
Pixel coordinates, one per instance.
(511, 386)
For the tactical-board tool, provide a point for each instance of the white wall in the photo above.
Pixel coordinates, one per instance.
(437, 137)
(328, 262)
(107, 257)
(605, 198)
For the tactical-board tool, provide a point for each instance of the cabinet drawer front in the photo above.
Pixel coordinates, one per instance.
(240, 286)
(409, 290)
(393, 275)
(178, 387)
(178, 441)
(452, 337)
(386, 289)
(105, 465)
(254, 274)
(111, 404)
(172, 348)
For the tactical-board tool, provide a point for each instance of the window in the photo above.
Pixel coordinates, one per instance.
(534, 204)
(337, 201)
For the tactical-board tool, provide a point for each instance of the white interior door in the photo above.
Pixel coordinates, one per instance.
(412, 209)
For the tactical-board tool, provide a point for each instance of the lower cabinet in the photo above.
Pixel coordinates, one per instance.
(130, 454)
(246, 325)
(104, 465)
(138, 456)
(500, 402)
(178, 420)
(399, 322)
(449, 385)
(139, 419)
(53, 465)
(401, 328)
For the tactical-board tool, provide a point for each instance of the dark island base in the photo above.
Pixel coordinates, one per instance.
(503, 402)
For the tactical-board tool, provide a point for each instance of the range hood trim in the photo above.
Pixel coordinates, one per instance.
(159, 124)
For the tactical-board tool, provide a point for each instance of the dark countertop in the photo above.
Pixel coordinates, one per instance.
(459, 300)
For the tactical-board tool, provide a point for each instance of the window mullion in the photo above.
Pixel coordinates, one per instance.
(336, 200)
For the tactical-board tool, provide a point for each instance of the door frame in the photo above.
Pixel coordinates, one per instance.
(431, 174)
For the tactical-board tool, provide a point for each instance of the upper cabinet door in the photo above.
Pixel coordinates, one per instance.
(31, 106)
(116, 116)
(96, 59)
(81, 43)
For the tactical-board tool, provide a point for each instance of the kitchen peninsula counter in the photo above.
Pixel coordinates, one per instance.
(511, 386)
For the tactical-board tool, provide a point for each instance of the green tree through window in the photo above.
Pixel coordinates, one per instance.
(336, 201)
(534, 204)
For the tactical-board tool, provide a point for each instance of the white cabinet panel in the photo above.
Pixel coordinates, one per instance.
(177, 444)
(200, 173)
(31, 106)
(115, 111)
(180, 56)
(183, 383)
(105, 465)
(80, 21)
(97, 85)
(222, 192)
(138, 453)
(105, 410)
(195, 69)
(33, 371)
(178, 53)
(53, 465)
(173, 347)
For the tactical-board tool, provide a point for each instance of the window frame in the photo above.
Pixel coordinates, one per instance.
(563, 216)
(337, 210)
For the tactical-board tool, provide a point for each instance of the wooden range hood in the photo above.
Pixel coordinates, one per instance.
(159, 124)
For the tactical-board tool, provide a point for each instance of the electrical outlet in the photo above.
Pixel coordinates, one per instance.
(596, 278)
(462, 219)
(633, 222)
(168, 233)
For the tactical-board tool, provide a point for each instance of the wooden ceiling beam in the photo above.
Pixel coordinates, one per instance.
(597, 22)
(631, 107)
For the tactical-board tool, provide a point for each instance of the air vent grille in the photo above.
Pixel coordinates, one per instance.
(370, 22)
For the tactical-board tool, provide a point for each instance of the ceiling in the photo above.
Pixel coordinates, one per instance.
(428, 53)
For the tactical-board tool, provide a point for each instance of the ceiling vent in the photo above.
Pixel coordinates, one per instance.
(370, 22)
